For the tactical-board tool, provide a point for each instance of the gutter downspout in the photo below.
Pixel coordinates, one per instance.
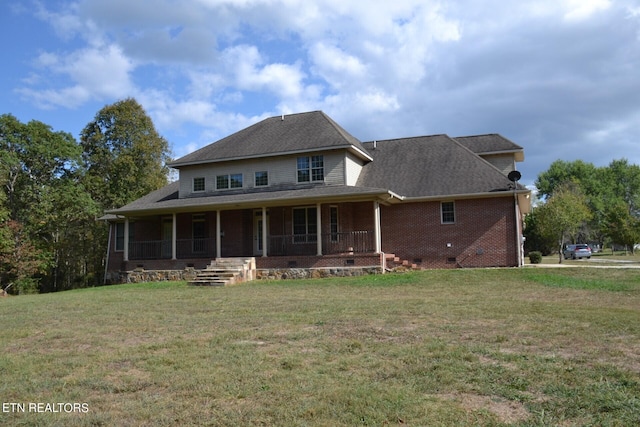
(518, 233)
(106, 266)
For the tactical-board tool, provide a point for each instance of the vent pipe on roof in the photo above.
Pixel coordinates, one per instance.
(375, 144)
(282, 118)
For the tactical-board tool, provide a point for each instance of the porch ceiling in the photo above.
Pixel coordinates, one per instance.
(166, 199)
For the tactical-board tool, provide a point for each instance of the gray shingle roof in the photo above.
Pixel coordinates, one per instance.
(275, 136)
(429, 166)
(490, 143)
(420, 167)
(166, 199)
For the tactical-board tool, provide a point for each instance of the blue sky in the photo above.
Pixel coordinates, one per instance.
(559, 77)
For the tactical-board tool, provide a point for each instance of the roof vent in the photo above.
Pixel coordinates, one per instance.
(282, 119)
(375, 144)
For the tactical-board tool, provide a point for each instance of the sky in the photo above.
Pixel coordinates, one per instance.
(561, 78)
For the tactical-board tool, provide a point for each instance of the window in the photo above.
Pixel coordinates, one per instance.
(120, 235)
(262, 179)
(224, 182)
(333, 223)
(317, 168)
(304, 225)
(198, 184)
(447, 212)
(199, 233)
(310, 168)
(236, 180)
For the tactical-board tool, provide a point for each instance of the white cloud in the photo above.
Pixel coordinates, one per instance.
(336, 66)
(578, 10)
(247, 70)
(538, 71)
(91, 73)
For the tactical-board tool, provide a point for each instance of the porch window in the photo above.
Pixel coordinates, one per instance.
(333, 223)
(262, 179)
(224, 182)
(198, 184)
(120, 235)
(310, 168)
(304, 225)
(447, 212)
(199, 233)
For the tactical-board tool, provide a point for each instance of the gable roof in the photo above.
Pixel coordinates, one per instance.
(492, 143)
(429, 166)
(286, 134)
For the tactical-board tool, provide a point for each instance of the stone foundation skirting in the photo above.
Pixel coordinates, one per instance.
(315, 273)
(142, 276)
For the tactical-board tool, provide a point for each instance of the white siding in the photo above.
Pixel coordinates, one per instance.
(282, 171)
(505, 162)
(352, 169)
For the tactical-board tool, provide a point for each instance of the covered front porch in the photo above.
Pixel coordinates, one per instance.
(319, 235)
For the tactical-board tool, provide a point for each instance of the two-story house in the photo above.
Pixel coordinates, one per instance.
(298, 191)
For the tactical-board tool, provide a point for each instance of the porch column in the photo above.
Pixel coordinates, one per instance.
(218, 236)
(126, 240)
(319, 230)
(264, 232)
(173, 236)
(376, 227)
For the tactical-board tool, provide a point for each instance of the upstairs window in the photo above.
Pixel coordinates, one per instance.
(261, 179)
(198, 184)
(236, 180)
(310, 168)
(447, 212)
(224, 182)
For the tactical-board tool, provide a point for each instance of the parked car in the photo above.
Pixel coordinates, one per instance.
(578, 251)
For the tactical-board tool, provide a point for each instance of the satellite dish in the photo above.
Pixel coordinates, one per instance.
(514, 176)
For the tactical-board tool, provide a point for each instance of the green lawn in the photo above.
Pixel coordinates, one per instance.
(529, 347)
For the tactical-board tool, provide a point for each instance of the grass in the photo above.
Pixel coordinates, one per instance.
(604, 258)
(525, 347)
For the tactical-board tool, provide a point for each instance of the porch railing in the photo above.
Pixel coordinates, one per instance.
(332, 243)
(278, 245)
(161, 249)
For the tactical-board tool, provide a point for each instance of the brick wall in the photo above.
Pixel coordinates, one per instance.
(483, 234)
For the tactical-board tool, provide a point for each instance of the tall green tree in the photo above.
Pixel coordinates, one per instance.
(124, 156)
(622, 203)
(563, 214)
(40, 170)
(583, 174)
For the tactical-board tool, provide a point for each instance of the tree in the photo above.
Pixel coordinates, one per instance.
(20, 260)
(585, 175)
(124, 156)
(33, 158)
(623, 227)
(563, 214)
(37, 165)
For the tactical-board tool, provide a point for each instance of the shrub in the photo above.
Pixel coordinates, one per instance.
(535, 257)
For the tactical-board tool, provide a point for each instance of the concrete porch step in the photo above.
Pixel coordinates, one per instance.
(225, 271)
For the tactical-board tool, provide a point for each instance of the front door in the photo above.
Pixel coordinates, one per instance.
(257, 232)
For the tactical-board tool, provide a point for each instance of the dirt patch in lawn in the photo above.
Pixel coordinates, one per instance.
(506, 411)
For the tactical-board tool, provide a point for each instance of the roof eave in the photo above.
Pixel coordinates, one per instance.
(518, 154)
(482, 195)
(360, 153)
(380, 195)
